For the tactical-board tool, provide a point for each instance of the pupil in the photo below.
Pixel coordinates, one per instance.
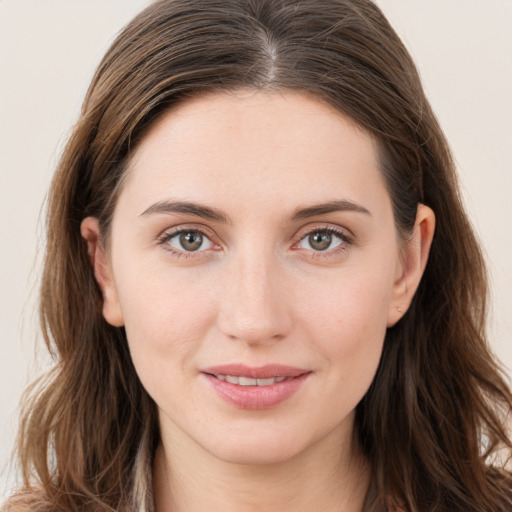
(191, 241)
(320, 241)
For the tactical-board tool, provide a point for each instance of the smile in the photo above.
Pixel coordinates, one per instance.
(248, 381)
(255, 388)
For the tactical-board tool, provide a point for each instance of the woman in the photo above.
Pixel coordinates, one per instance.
(260, 281)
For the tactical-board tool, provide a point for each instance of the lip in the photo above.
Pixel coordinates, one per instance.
(256, 372)
(256, 397)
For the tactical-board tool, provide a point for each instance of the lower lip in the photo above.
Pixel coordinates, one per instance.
(256, 397)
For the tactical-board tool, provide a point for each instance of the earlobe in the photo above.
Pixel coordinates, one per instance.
(103, 274)
(412, 265)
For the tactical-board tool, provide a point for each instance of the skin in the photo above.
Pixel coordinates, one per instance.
(257, 291)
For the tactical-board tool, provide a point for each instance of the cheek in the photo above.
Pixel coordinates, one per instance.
(351, 301)
(166, 318)
(347, 319)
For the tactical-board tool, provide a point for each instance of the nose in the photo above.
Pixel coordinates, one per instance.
(254, 307)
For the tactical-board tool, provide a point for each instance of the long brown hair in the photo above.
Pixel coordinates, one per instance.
(432, 424)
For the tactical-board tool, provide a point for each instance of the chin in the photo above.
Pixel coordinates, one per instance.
(257, 450)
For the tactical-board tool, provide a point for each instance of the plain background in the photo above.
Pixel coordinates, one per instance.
(48, 52)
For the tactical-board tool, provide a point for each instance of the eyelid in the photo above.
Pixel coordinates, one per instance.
(346, 236)
(344, 233)
(169, 233)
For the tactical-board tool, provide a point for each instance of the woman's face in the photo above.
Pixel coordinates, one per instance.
(253, 241)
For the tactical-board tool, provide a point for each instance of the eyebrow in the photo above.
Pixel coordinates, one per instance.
(214, 214)
(332, 206)
(187, 207)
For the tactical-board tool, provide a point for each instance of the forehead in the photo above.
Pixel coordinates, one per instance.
(285, 147)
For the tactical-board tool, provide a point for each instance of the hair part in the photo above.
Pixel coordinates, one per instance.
(435, 414)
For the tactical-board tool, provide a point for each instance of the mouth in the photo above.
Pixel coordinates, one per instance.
(248, 381)
(263, 387)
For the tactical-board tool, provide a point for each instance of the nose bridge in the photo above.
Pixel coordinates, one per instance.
(253, 309)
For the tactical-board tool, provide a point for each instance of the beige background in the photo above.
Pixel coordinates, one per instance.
(49, 49)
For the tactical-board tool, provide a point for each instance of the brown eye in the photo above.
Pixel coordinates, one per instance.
(191, 241)
(321, 240)
(188, 241)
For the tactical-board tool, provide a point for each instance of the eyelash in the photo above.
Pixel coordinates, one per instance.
(165, 238)
(346, 241)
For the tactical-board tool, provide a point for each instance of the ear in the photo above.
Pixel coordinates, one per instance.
(102, 271)
(412, 264)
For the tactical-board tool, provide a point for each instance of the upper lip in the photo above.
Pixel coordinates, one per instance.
(255, 372)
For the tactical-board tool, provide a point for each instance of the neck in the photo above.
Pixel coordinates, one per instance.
(328, 477)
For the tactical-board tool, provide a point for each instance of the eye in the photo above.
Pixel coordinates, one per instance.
(321, 240)
(187, 240)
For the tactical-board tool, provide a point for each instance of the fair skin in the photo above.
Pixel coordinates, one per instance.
(255, 229)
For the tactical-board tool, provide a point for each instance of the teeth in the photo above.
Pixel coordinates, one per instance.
(265, 382)
(248, 381)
